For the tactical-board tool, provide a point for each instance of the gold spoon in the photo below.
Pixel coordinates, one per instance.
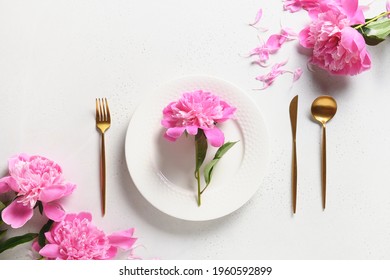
(323, 109)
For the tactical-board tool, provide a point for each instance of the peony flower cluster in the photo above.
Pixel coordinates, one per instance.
(197, 110)
(76, 238)
(336, 46)
(34, 179)
(37, 181)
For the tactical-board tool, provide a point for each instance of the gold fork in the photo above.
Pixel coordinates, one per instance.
(103, 122)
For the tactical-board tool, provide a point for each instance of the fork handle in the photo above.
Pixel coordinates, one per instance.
(103, 176)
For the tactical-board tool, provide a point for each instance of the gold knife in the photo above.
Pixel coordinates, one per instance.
(293, 120)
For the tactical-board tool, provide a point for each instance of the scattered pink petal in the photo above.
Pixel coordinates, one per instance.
(275, 72)
(122, 239)
(262, 54)
(295, 5)
(289, 34)
(258, 17)
(274, 43)
(270, 77)
(297, 74)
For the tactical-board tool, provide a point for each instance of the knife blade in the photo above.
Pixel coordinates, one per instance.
(293, 120)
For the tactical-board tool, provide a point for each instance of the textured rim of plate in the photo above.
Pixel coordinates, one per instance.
(164, 197)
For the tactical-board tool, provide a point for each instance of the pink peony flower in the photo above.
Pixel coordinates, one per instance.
(197, 110)
(76, 238)
(33, 178)
(337, 47)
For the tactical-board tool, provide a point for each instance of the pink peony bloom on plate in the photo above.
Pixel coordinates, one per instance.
(76, 238)
(197, 110)
(337, 47)
(33, 179)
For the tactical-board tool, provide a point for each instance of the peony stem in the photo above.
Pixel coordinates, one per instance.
(197, 176)
(372, 20)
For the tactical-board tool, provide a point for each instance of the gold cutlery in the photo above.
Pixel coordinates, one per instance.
(323, 110)
(103, 122)
(293, 120)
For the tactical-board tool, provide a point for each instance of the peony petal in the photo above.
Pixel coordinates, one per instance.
(49, 235)
(289, 33)
(122, 239)
(175, 132)
(16, 214)
(297, 74)
(69, 188)
(193, 130)
(52, 193)
(304, 36)
(4, 184)
(84, 215)
(350, 7)
(259, 14)
(169, 138)
(275, 42)
(35, 246)
(50, 251)
(111, 253)
(10, 184)
(215, 136)
(53, 211)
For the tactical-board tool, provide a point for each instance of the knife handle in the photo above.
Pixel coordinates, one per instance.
(294, 176)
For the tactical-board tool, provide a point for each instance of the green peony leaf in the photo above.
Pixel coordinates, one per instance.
(2, 233)
(208, 170)
(379, 28)
(200, 148)
(2, 206)
(41, 235)
(17, 240)
(375, 32)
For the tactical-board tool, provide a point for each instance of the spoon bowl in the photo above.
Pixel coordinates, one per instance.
(323, 110)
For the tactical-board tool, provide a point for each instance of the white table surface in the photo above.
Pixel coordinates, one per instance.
(56, 57)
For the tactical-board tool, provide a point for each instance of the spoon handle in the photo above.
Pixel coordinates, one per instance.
(323, 177)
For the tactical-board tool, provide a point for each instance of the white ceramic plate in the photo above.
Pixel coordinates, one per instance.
(163, 171)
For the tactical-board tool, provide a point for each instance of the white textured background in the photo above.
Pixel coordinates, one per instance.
(56, 57)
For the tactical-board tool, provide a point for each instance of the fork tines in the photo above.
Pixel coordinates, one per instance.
(102, 110)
